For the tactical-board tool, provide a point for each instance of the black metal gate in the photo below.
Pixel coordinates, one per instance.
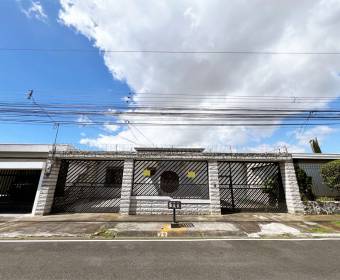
(17, 190)
(88, 186)
(174, 178)
(251, 186)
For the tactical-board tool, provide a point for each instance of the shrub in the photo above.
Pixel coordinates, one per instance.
(305, 184)
(272, 188)
(330, 173)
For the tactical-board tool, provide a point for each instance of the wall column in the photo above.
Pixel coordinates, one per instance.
(291, 187)
(46, 189)
(37, 195)
(126, 187)
(214, 189)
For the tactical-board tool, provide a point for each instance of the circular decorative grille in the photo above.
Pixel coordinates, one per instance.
(169, 181)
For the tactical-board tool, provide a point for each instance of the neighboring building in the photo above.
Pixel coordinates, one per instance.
(311, 164)
(20, 174)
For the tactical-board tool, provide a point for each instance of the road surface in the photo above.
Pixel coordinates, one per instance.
(248, 259)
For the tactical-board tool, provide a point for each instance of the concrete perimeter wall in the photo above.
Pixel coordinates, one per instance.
(158, 205)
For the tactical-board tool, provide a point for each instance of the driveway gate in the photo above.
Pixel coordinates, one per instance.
(251, 186)
(88, 186)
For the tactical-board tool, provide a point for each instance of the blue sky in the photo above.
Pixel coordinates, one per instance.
(59, 75)
(88, 76)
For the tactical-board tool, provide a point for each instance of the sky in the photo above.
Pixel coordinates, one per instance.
(102, 77)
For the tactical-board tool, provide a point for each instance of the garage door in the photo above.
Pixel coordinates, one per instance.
(17, 190)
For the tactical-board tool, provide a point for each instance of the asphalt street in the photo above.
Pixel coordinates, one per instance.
(231, 259)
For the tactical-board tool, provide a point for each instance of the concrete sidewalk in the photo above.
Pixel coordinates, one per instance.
(108, 226)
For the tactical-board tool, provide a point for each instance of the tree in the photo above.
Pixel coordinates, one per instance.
(305, 184)
(330, 173)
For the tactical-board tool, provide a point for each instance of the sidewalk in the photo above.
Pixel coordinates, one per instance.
(109, 226)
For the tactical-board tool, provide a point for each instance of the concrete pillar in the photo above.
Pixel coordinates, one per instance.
(46, 189)
(126, 187)
(37, 195)
(291, 187)
(214, 189)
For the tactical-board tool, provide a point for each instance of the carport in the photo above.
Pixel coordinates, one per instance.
(18, 186)
(21, 172)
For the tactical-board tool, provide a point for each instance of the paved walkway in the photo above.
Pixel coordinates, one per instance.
(109, 226)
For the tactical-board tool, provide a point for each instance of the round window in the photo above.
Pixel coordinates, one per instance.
(169, 181)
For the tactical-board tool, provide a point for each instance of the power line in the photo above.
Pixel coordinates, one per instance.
(68, 114)
(133, 134)
(160, 110)
(109, 94)
(154, 51)
(31, 97)
(211, 124)
(56, 124)
(142, 134)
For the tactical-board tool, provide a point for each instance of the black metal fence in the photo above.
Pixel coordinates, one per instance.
(17, 190)
(88, 186)
(173, 178)
(251, 186)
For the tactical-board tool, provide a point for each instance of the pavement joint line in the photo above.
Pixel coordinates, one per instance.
(169, 240)
(7, 224)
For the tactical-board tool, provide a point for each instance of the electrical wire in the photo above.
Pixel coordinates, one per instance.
(154, 51)
(242, 113)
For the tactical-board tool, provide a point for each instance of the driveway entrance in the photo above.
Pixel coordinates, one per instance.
(251, 186)
(18, 189)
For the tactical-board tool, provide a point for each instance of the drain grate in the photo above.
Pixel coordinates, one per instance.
(182, 225)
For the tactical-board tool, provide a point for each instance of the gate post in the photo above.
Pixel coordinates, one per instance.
(126, 187)
(214, 189)
(45, 192)
(291, 187)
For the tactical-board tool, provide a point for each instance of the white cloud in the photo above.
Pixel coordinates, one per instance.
(320, 132)
(108, 142)
(280, 146)
(300, 136)
(111, 127)
(84, 120)
(33, 10)
(213, 25)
